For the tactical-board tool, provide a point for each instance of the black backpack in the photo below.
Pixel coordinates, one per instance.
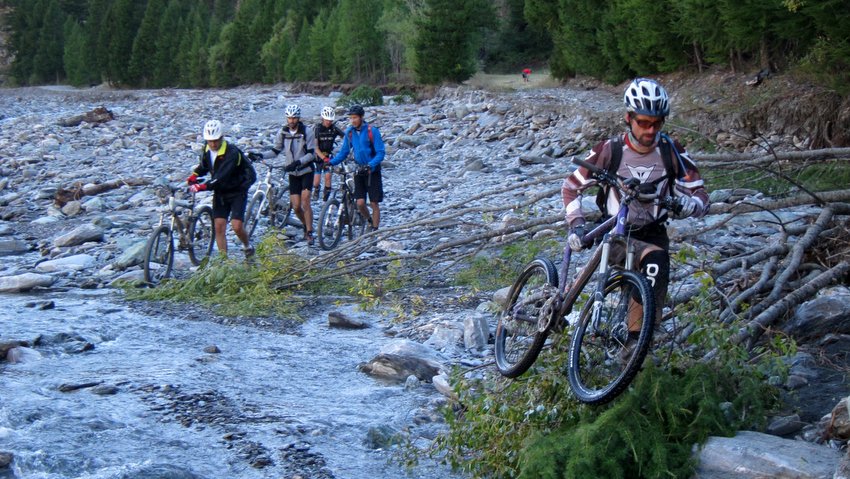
(667, 149)
(249, 173)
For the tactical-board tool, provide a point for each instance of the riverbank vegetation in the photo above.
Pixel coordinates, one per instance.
(222, 43)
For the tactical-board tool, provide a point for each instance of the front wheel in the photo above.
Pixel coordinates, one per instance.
(201, 235)
(281, 211)
(358, 223)
(524, 322)
(330, 225)
(603, 358)
(252, 213)
(159, 255)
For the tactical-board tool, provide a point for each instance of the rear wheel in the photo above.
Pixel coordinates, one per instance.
(330, 225)
(524, 323)
(201, 235)
(252, 213)
(602, 359)
(159, 255)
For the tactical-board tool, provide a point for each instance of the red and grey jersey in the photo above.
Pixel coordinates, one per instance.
(648, 168)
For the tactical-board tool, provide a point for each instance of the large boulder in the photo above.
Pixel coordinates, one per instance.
(751, 455)
(24, 282)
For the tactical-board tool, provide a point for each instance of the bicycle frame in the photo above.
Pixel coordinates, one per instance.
(612, 231)
(177, 223)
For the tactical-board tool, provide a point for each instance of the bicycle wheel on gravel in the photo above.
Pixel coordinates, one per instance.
(601, 366)
(201, 235)
(282, 211)
(253, 212)
(519, 335)
(159, 255)
(330, 225)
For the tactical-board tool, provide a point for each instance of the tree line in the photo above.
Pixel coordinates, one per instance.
(201, 43)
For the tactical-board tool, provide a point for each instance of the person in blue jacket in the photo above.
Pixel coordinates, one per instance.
(364, 141)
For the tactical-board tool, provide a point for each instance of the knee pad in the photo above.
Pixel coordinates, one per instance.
(656, 267)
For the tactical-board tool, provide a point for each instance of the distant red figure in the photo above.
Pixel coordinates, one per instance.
(525, 74)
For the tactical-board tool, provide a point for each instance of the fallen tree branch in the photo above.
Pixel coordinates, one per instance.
(77, 190)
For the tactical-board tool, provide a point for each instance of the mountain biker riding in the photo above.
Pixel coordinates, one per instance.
(364, 140)
(231, 177)
(295, 141)
(326, 133)
(641, 152)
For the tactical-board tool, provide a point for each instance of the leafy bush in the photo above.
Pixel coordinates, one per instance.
(234, 288)
(363, 95)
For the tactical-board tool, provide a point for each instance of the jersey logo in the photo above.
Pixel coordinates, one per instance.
(642, 173)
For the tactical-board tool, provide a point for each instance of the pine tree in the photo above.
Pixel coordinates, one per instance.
(142, 60)
(25, 23)
(118, 30)
(448, 38)
(48, 62)
(359, 52)
(298, 65)
(165, 71)
(321, 47)
(276, 51)
(74, 58)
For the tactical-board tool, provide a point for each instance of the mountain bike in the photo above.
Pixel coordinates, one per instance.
(195, 234)
(542, 298)
(338, 215)
(278, 211)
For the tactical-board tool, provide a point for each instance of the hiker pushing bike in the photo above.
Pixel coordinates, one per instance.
(364, 142)
(645, 177)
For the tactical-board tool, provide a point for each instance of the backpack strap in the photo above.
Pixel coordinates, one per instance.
(368, 132)
(616, 155)
(667, 149)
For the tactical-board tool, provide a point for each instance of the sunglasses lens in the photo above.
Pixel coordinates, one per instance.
(646, 124)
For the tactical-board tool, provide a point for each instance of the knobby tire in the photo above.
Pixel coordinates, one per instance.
(159, 255)
(519, 338)
(201, 235)
(330, 225)
(599, 370)
(252, 213)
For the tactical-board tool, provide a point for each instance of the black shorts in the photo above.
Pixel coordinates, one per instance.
(230, 205)
(297, 184)
(373, 183)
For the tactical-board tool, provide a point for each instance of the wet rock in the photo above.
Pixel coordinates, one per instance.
(6, 346)
(41, 305)
(382, 437)
(212, 349)
(105, 390)
(340, 320)
(24, 282)
(6, 459)
(66, 388)
(397, 368)
(751, 455)
(132, 256)
(443, 386)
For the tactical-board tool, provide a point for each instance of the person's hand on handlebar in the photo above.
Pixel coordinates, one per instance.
(253, 156)
(684, 206)
(575, 238)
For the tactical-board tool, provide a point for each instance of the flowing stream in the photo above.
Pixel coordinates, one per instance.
(269, 405)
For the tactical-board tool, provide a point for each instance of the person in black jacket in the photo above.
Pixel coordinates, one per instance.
(231, 175)
(327, 132)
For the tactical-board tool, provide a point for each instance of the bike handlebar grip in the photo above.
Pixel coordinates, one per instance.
(182, 203)
(593, 168)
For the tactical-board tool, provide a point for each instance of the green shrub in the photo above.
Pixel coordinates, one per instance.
(363, 95)
(487, 272)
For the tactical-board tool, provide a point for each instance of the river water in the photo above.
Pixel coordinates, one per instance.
(269, 405)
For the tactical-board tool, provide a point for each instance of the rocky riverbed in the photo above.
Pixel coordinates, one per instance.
(440, 151)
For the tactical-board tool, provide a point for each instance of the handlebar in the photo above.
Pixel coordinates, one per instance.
(630, 186)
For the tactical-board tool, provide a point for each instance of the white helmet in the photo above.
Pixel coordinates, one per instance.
(647, 97)
(292, 111)
(212, 130)
(328, 113)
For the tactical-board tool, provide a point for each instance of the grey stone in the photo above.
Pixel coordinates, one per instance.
(76, 262)
(340, 320)
(24, 282)
(756, 455)
(80, 235)
(13, 247)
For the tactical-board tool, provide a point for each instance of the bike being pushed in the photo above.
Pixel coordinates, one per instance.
(194, 231)
(601, 363)
(269, 200)
(341, 214)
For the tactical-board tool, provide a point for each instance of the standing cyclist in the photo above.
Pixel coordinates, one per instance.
(364, 140)
(326, 133)
(645, 153)
(296, 143)
(231, 176)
